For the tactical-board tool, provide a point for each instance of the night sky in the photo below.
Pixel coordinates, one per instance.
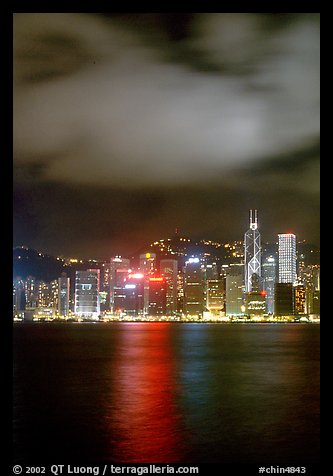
(129, 125)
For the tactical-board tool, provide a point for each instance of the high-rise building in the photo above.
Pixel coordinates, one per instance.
(51, 297)
(256, 303)
(105, 277)
(216, 296)
(300, 306)
(31, 292)
(180, 290)
(252, 252)
(315, 309)
(116, 263)
(63, 299)
(169, 269)
(234, 291)
(309, 277)
(284, 299)
(212, 271)
(133, 290)
(268, 281)
(148, 263)
(87, 284)
(105, 297)
(194, 288)
(287, 258)
(157, 296)
(118, 290)
(19, 299)
(44, 294)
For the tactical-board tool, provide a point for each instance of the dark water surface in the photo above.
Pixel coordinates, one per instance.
(166, 393)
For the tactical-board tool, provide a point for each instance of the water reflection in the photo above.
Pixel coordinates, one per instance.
(246, 395)
(143, 407)
(159, 392)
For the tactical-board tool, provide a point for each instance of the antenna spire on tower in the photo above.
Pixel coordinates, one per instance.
(253, 219)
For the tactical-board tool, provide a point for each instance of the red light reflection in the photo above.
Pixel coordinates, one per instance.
(143, 411)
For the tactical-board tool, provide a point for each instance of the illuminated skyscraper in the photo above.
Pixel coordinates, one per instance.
(256, 303)
(63, 296)
(133, 290)
(157, 296)
(234, 291)
(169, 269)
(118, 290)
(19, 299)
(87, 293)
(269, 280)
(300, 295)
(148, 263)
(252, 252)
(117, 263)
(287, 258)
(31, 292)
(216, 296)
(195, 288)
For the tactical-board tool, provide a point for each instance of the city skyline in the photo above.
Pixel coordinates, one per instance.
(179, 280)
(127, 126)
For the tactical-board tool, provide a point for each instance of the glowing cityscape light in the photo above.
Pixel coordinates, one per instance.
(130, 286)
(193, 260)
(136, 276)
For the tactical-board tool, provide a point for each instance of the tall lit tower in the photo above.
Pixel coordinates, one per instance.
(269, 280)
(118, 268)
(169, 269)
(87, 303)
(63, 299)
(287, 258)
(194, 288)
(252, 252)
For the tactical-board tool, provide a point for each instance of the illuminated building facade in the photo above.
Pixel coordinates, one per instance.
(310, 278)
(133, 291)
(252, 252)
(157, 296)
(148, 263)
(105, 277)
(300, 306)
(212, 271)
(234, 291)
(118, 290)
(315, 309)
(194, 288)
(216, 296)
(63, 300)
(48, 295)
(19, 299)
(87, 287)
(269, 276)
(256, 303)
(117, 263)
(31, 292)
(180, 290)
(169, 269)
(287, 258)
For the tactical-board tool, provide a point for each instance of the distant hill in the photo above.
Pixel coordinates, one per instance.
(27, 261)
(43, 267)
